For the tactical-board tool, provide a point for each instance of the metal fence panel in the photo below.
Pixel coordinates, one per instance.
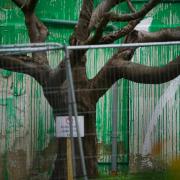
(104, 114)
(26, 124)
(154, 116)
(143, 99)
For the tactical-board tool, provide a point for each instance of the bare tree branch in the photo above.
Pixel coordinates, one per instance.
(99, 32)
(81, 29)
(119, 66)
(32, 5)
(26, 6)
(100, 13)
(139, 14)
(26, 65)
(150, 75)
(21, 4)
(81, 32)
(117, 69)
(37, 30)
(108, 75)
(168, 34)
(131, 7)
(110, 38)
(37, 33)
(101, 9)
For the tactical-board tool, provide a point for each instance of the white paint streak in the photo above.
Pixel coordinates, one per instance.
(168, 96)
(144, 24)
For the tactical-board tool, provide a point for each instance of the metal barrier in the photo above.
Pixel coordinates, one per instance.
(72, 106)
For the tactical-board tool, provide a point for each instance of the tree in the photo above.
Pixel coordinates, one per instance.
(88, 31)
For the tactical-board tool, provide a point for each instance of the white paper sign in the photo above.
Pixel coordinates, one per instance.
(63, 126)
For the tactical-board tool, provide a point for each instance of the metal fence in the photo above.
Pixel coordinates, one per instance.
(137, 125)
(147, 115)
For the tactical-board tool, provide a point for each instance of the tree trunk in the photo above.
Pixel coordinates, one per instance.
(86, 106)
(89, 147)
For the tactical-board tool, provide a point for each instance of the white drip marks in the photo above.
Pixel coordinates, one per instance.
(167, 97)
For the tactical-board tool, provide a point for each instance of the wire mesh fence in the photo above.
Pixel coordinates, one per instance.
(127, 126)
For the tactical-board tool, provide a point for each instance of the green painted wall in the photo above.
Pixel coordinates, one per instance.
(27, 125)
(154, 109)
(11, 21)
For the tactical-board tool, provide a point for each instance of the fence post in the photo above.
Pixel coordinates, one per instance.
(74, 107)
(70, 141)
(114, 131)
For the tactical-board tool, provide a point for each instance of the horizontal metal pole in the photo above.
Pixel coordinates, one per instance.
(70, 23)
(36, 47)
(15, 49)
(31, 45)
(123, 45)
(59, 21)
